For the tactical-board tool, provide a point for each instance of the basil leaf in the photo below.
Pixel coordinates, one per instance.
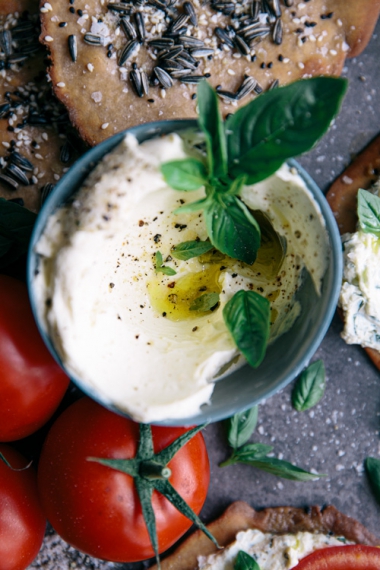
(245, 562)
(232, 228)
(252, 451)
(211, 123)
(189, 249)
(281, 124)
(185, 175)
(281, 469)
(309, 387)
(191, 206)
(241, 426)
(369, 212)
(247, 317)
(160, 268)
(372, 467)
(16, 226)
(205, 302)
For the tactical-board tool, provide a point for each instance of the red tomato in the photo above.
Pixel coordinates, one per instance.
(95, 508)
(22, 522)
(350, 557)
(31, 382)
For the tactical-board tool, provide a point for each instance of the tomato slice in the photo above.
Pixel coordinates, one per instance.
(350, 557)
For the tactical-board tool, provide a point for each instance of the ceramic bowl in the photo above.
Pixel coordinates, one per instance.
(285, 358)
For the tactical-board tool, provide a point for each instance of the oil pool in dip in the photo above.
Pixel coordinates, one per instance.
(126, 330)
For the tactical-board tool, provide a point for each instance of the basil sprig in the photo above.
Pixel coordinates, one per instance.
(160, 268)
(16, 225)
(309, 387)
(372, 466)
(205, 302)
(369, 212)
(189, 249)
(245, 562)
(239, 429)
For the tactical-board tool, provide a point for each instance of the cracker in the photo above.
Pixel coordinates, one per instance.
(99, 93)
(342, 197)
(240, 516)
(25, 88)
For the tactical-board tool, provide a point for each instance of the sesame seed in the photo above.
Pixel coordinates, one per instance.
(49, 39)
(104, 126)
(90, 67)
(61, 84)
(301, 65)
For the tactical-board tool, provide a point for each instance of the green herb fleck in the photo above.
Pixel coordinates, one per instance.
(372, 466)
(369, 212)
(205, 302)
(245, 562)
(160, 268)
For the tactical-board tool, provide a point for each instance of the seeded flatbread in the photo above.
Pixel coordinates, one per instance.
(100, 90)
(342, 195)
(240, 516)
(33, 123)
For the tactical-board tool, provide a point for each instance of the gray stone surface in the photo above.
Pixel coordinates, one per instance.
(335, 437)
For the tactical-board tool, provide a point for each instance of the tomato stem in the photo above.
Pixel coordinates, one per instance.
(154, 470)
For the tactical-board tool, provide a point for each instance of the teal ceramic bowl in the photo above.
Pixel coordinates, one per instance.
(285, 358)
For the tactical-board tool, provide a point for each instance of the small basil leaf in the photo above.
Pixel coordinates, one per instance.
(281, 124)
(281, 469)
(369, 212)
(245, 562)
(191, 207)
(211, 123)
(232, 228)
(160, 268)
(372, 466)
(252, 451)
(185, 175)
(189, 249)
(16, 226)
(309, 387)
(247, 318)
(205, 302)
(241, 426)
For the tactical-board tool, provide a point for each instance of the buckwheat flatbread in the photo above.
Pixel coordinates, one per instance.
(117, 64)
(361, 173)
(240, 516)
(34, 126)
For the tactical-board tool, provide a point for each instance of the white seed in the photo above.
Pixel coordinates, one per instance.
(49, 39)
(104, 126)
(61, 84)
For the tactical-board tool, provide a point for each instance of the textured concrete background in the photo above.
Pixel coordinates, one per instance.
(338, 434)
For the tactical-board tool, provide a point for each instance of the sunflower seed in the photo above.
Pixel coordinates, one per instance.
(14, 171)
(140, 26)
(170, 53)
(246, 87)
(45, 191)
(190, 42)
(17, 57)
(119, 7)
(227, 95)
(274, 84)
(275, 7)
(29, 49)
(66, 153)
(277, 32)
(186, 63)
(93, 39)
(258, 89)
(8, 180)
(128, 29)
(144, 82)
(73, 47)
(189, 9)
(4, 108)
(241, 45)
(288, 3)
(255, 9)
(169, 65)
(21, 161)
(256, 35)
(163, 77)
(23, 27)
(161, 43)
(191, 78)
(157, 4)
(225, 7)
(181, 72)
(224, 37)
(201, 52)
(6, 41)
(178, 23)
(135, 77)
(251, 27)
(128, 51)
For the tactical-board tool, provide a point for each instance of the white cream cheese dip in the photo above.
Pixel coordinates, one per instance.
(126, 330)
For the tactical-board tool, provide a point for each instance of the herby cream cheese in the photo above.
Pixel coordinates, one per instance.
(126, 330)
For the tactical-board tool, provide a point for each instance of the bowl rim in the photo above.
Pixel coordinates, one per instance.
(65, 188)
